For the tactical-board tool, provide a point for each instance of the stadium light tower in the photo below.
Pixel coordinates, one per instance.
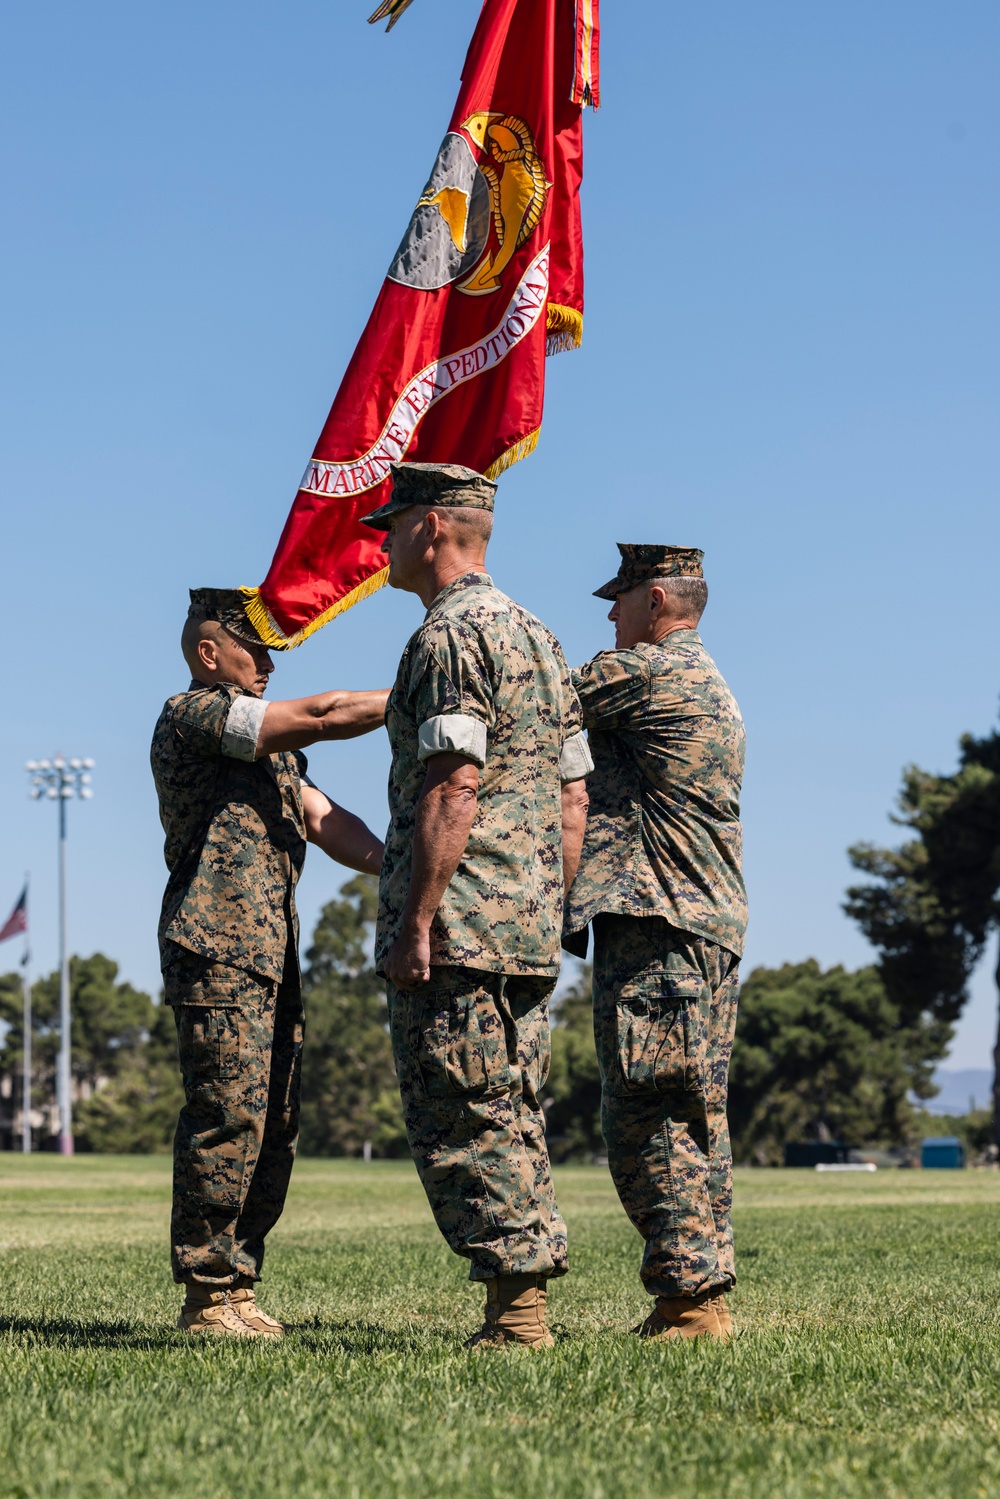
(59, 780)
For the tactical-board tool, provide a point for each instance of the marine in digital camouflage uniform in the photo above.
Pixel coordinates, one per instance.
(237, 809)
(488, 757)
(660, 879)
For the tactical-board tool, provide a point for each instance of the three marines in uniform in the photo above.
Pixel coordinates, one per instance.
(491, 861)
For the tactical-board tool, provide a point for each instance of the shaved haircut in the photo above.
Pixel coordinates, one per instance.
(474, 527)
(471, 527)
(691, 592)
(195, 630)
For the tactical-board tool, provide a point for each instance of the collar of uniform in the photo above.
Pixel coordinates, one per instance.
(680, 637)
(195, 686)
(466, 580)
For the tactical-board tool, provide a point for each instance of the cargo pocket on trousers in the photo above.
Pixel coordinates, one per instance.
(462, 1046)
(210, 1042)
(657, 1035)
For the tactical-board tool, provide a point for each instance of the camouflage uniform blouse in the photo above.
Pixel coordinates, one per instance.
(483, 678)
(663, 832)
(235, 831)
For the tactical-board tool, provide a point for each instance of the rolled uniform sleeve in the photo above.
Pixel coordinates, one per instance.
(242, 730)
(451, 696)
(575, 759)
(219, 721)
(459, 733)
(614, 689)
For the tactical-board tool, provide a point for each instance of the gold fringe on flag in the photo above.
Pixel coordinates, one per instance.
(513, 455)
(256, 611)
(564, 327)
(274, 639)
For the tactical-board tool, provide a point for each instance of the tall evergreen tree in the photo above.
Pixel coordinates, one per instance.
(123, 1054)
(12, 1054)
(108, 1016)
(932, 903)
(134, 1111)
(350, 1101)
(572, 1097)
(823, 1056)
(818, 1055)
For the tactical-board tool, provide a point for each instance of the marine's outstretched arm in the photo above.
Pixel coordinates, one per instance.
(299, 722)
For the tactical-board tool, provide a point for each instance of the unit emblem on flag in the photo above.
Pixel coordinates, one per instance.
(451, 223)
(474, 213)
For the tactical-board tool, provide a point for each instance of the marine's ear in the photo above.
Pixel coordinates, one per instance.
(207, 651)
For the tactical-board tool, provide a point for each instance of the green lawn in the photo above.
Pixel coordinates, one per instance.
(867, 1361)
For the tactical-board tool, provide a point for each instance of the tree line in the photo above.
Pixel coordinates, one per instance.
(819, 1054)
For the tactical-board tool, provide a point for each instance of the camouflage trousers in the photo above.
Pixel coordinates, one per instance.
(239, 1040)
(664, 1017)
(472, 1053)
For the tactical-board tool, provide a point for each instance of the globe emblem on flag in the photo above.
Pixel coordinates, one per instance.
(450, 225)
(472, 217)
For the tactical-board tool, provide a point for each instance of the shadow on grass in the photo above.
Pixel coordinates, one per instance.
(314, 1336)
(67, 1332)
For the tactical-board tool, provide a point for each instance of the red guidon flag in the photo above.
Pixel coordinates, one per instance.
(487, 279)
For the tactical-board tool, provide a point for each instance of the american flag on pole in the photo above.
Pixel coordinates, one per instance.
(17, 921)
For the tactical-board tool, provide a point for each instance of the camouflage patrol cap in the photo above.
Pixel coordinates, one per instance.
(438, 484)
(642, 564)
(225, 606)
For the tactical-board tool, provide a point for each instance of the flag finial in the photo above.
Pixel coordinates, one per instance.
(391, 8)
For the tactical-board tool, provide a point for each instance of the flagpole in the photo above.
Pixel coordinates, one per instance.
(26, 1104)
(65, 1020)
(59, 780)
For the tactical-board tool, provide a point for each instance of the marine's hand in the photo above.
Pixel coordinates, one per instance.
(408, 961)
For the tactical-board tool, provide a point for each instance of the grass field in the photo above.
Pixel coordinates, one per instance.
(867, 1361)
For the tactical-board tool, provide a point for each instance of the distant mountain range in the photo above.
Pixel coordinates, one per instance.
(961, 1089)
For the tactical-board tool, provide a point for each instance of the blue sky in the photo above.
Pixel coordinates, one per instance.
(792, 230)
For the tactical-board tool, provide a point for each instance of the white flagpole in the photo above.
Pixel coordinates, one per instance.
(26, 1104)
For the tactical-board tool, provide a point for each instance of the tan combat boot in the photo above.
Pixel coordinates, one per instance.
(687, 1317)
(242, 1298)
(722, 1312)
(207, 1310)
(515, 1313)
